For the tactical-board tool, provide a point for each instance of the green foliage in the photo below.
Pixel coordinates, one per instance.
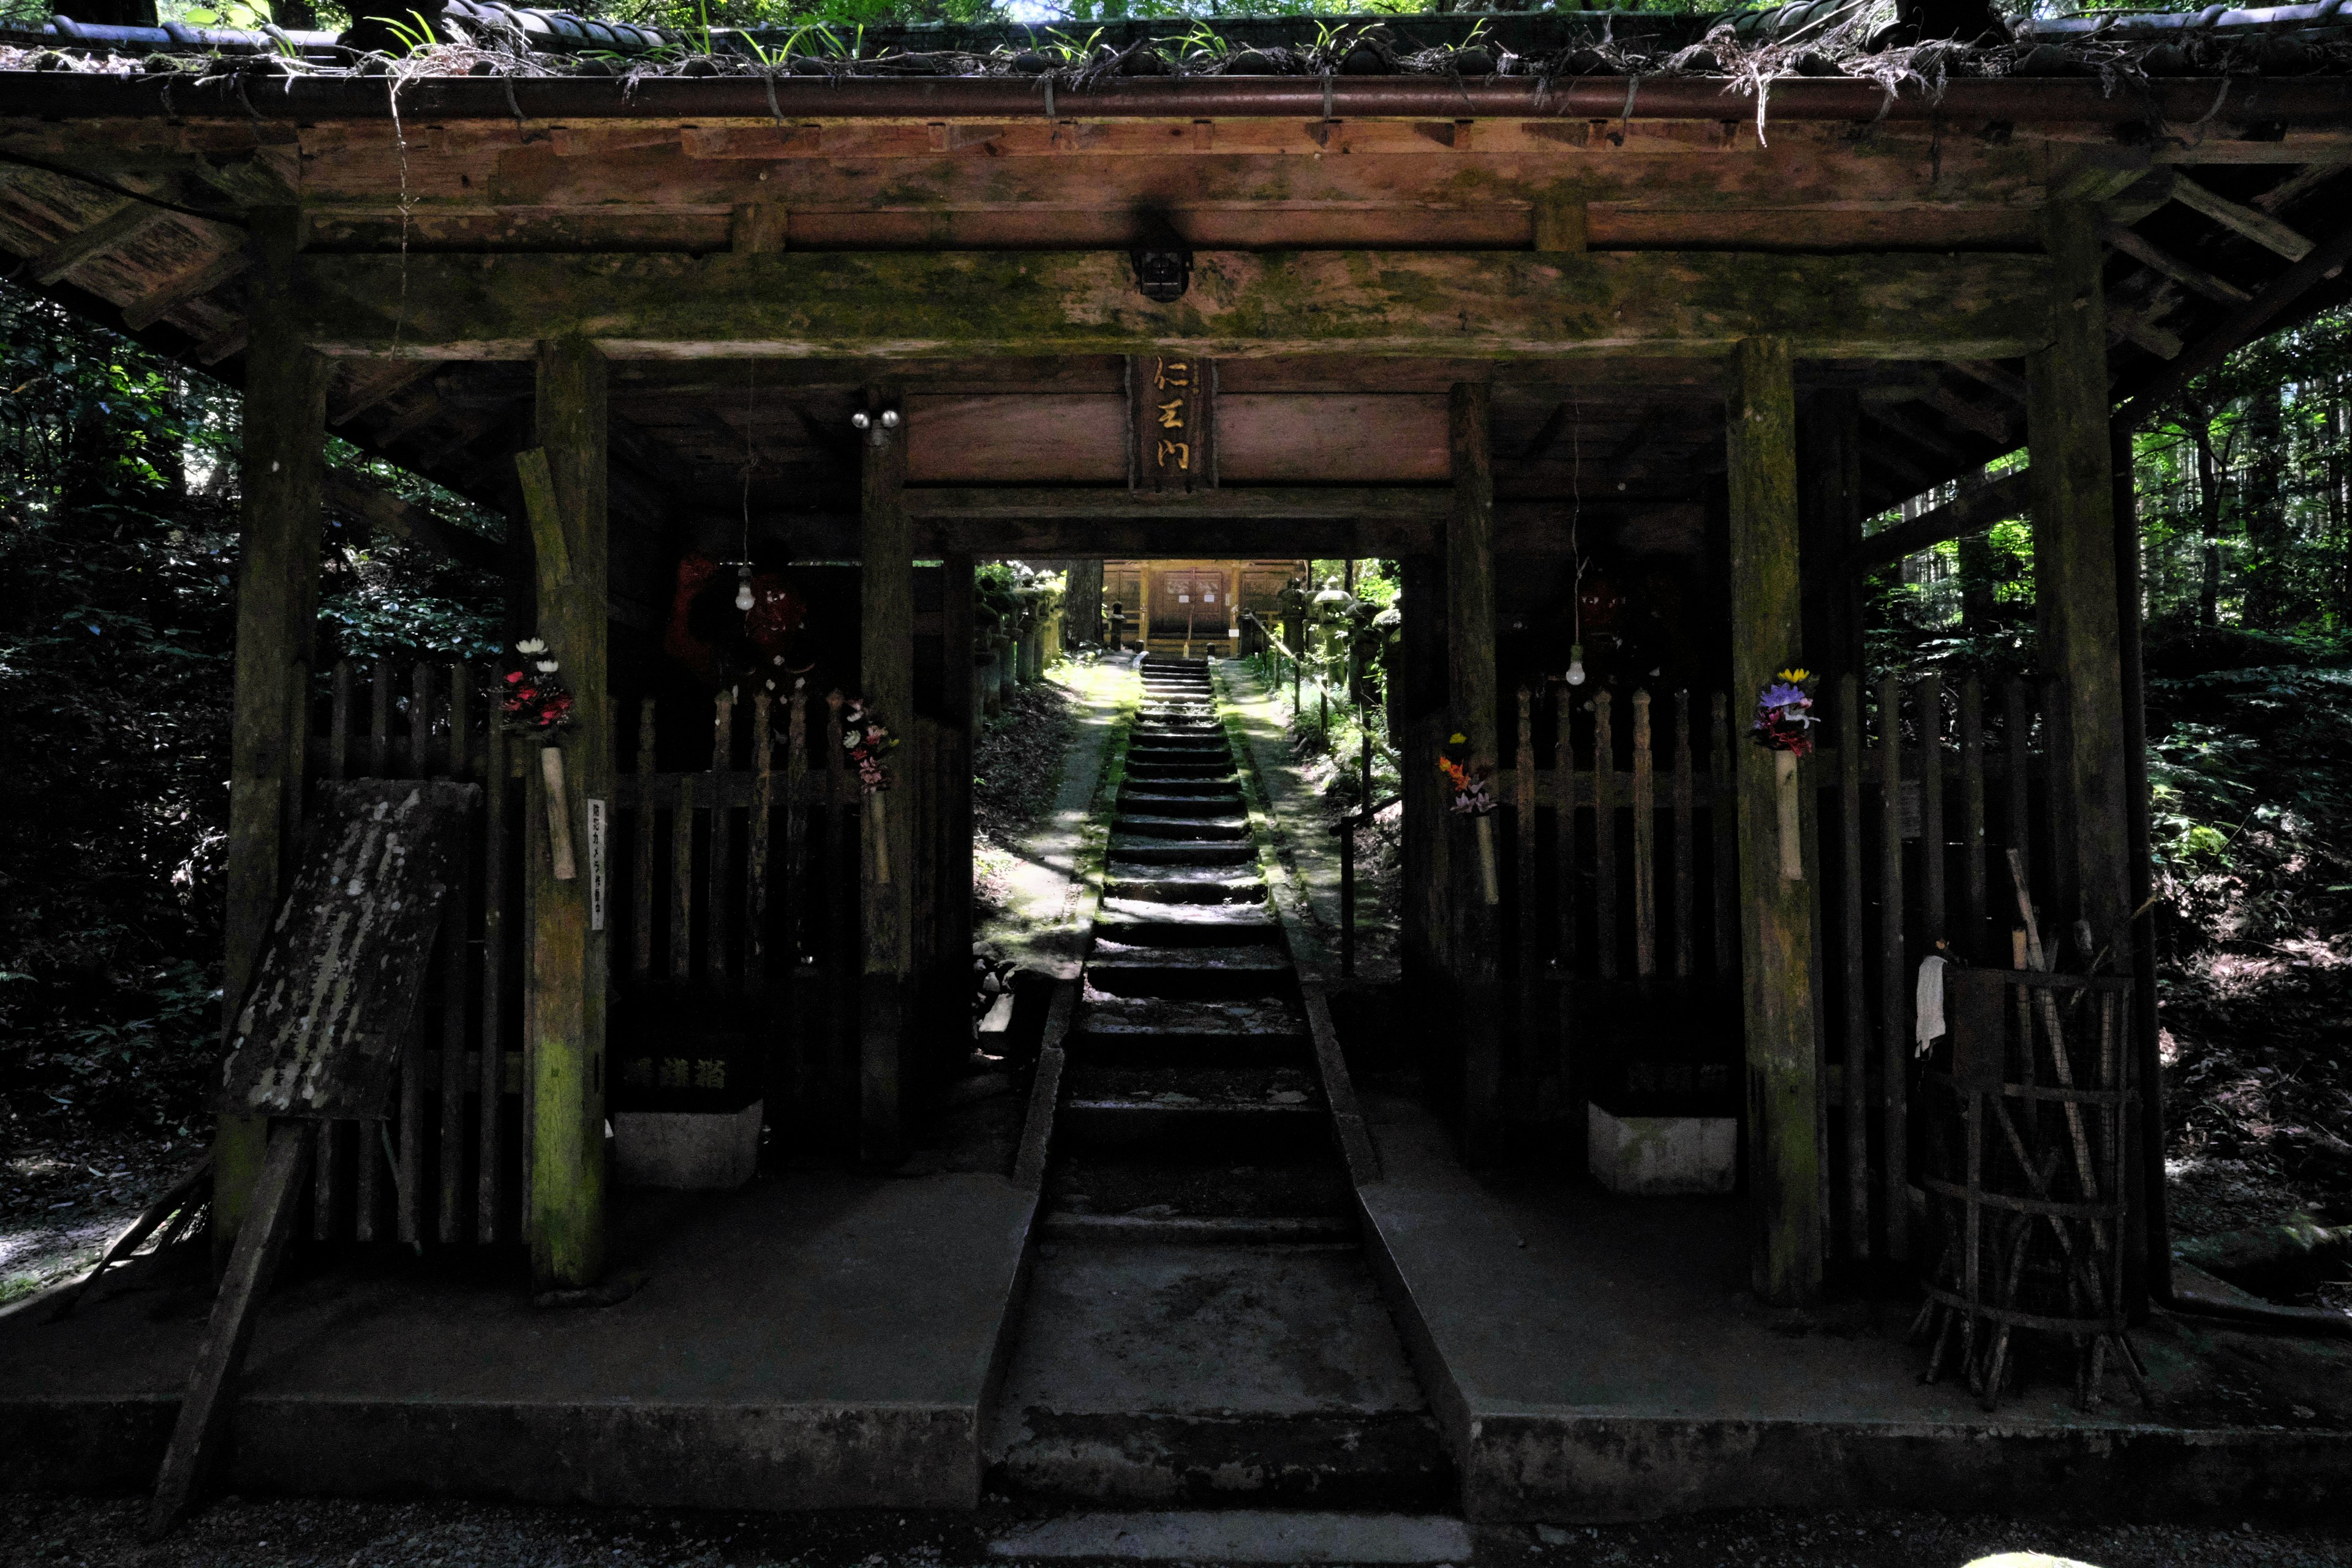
(117, 567)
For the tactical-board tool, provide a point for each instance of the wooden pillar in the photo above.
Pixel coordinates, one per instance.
(285, 424)
(563, 1005)
(1775, 919)
(1476, 936)
(1421, 704)
(955, 626)
(1828, 523)
(2075, 587)
(2148, 1243)
(886, 671)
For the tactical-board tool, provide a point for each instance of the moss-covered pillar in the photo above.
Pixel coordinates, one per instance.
(1475, 939)
(285, 433)
(886, 658)
(1776, 906)
(2075, 589)
(566, 965)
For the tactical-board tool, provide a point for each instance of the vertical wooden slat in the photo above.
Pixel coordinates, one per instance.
(1972, 820)
(326, 1172)
(455, 991)
(1604, 837)
(1858, 1103)
(1569, 796)
(641, 853)
(1523, 862)
(1645, 843)
(489, 1169)
(681, 882)
(1726, 834)
(409, 1191)
(368, 1157)
(717, 927)
(1475, 710)
(1684, 829)
(1894, 975)
(1931, 812)
(803, 1067)
(2018, 832)
(887, 826)
(755, 848)
(380, 679)
(838, 921)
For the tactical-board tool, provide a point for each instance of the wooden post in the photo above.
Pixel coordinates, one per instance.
(956, 630)
(1422, 914)
(1471, 707)
(2075, 586)
(1776, 910)
(285, 420)
(563, 1003)
(886, 835)
(1830, 521)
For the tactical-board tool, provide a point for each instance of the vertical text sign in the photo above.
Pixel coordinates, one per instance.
(1173, 405)
(596, 862)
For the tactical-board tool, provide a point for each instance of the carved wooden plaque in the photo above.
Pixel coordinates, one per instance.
(334, 996)
(1172, 412)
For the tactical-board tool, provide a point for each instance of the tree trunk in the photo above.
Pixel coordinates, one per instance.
(2208, 507)
(2269, 600)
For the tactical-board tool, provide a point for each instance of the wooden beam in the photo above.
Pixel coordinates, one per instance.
(2074, 588)
(1970, 512)
(959, 714)
(2241, 327)
(1776, 907)
(124, 223)
(2261, 228)
(1992, 424)
(373, 385)
(886, 643)
(1471, 852)
(2008, 386)
(564, 995)
(2146, 252)
(201, 280)
(895, 306)
(371, 503)
(284, 423)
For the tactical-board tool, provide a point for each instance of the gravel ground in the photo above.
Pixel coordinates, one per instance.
(252, 1533)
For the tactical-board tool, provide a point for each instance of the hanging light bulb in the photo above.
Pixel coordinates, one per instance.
(1576, 664)
(743, 599)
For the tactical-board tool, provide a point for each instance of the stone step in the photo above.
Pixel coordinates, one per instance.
(1179, 1183)
(1125, 969)
(1137, 802)
(1242, 1111)
(1125, 878)
(1147, 745)
(1226, 787)
(1146, 1226)
(1230, 1376)
(1156, 1028)
(1147, 923)
(1208, 770)
(1144, 850)
(1189, 828)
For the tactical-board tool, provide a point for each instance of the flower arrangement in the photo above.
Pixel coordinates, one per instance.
(867, 739)
(1474, 795)
(532, 700)
(1784, 715)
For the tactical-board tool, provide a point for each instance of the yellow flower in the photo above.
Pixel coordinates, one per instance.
(1794, 676)
(1457, 738)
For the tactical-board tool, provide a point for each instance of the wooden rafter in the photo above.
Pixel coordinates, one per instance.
(1970, 512)
(2148, 254)
(192, 284)
(118, 228)
(2261, 228)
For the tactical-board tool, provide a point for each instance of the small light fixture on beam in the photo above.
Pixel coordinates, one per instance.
(1163, 263)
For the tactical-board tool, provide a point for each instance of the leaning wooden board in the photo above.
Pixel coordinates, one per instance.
(334, 995)
(331, 1004)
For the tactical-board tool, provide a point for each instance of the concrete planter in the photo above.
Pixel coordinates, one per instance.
(696, 1151)
(1654, 1155)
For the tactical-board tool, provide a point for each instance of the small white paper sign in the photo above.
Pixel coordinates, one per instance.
(1209, 598)
(595, 864)
(1183, 598)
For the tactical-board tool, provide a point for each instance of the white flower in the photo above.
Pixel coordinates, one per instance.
(547, 667)
(530, 646)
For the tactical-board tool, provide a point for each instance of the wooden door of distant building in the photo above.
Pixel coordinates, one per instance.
(1194, 595)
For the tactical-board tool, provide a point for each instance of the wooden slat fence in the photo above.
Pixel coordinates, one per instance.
(1625, 927)
(732, 880)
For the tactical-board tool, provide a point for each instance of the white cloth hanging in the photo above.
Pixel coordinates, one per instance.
(1928, 1004)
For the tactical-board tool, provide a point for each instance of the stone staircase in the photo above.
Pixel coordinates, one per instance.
(1200, 1326)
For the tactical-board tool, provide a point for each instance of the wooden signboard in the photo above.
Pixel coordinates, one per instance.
(1172, 404)
(335, 993)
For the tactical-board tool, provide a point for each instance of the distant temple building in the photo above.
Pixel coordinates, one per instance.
(1167, 604)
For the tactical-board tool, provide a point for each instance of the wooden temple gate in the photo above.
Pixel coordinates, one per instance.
(1446, 320)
